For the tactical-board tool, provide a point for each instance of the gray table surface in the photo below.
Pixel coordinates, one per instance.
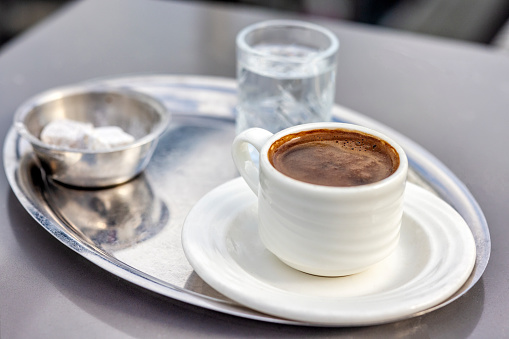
(450, 97)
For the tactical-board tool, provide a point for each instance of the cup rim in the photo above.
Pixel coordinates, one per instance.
(331, 50)
(271, 171)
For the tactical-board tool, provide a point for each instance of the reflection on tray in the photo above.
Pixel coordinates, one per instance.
(112, 218)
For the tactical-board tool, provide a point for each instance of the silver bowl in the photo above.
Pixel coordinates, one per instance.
(138, 114)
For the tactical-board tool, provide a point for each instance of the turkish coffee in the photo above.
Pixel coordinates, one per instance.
(334, 157)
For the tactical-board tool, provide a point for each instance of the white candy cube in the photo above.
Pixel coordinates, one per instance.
(66, 133)
(108, 137)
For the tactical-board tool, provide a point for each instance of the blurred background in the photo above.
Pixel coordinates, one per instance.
(480, 21)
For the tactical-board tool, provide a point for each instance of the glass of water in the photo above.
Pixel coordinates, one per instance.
(286, 73)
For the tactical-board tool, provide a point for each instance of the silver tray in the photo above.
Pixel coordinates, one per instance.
(133, 230)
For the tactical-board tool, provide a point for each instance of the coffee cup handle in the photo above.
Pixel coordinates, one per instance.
(242, 158)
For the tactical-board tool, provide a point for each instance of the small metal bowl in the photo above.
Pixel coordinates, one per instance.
(138, 114)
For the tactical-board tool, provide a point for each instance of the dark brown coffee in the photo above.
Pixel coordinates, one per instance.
(334, 157)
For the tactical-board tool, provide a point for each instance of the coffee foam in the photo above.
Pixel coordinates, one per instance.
(335, 157)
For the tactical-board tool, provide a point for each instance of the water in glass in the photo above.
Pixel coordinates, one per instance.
(276, 93)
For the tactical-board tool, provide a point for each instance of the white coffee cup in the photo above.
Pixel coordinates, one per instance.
(322, 230)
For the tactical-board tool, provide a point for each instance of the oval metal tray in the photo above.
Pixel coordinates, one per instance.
(133, 230)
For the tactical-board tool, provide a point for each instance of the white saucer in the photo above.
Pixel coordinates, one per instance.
(435, 257)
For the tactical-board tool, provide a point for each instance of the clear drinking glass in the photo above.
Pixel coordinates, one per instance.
(286, 73)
